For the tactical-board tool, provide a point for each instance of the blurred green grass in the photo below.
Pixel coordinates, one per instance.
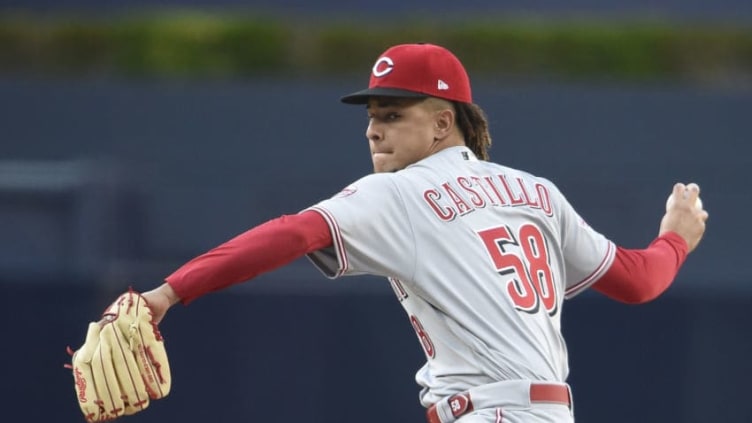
(204, 45)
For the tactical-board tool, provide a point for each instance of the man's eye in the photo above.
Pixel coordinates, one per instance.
(384, 117)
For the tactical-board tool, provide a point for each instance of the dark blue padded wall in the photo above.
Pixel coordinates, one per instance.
(202, 162)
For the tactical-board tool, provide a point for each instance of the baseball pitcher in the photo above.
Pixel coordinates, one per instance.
(480, 255)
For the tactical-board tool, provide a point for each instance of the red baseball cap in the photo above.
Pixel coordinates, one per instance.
(416, 70)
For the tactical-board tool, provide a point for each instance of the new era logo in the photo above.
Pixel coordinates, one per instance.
(443, 86)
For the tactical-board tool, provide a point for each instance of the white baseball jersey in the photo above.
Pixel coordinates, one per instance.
(480, 255)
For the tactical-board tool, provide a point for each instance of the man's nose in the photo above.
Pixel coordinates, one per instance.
(372, 132)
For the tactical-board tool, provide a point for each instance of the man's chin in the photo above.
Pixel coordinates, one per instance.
(383, 164)
(385, 169)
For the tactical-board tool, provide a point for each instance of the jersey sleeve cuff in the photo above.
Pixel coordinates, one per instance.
(332, 262)
(603, 266)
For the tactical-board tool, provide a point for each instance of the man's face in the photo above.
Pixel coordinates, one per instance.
(400, 132)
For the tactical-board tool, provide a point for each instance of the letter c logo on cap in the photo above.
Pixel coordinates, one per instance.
(382, 67)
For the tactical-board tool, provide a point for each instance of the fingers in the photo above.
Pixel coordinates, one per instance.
(105, 378)
(688, 194)
(685, 214)
(151, 355)
(83, 375)
(704, 215)
(88, 398)
(133, 392)
(86, 352)
(693, 191)
(679, 189)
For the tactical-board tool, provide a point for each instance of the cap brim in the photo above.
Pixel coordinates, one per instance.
(361, 97)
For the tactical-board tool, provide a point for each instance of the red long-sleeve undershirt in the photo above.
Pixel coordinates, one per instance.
(259, 250)
(636, 276)
(639, 276)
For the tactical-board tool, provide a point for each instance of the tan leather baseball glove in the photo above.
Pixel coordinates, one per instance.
(123, 364)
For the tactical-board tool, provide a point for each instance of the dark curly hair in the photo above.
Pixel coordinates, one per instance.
(473, 124)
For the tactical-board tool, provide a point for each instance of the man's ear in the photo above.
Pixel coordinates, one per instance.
(443, 123)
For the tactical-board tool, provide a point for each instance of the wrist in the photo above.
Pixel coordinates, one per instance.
(169, 293)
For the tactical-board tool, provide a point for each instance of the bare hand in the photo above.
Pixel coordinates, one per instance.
(160, 300)
(683, 216)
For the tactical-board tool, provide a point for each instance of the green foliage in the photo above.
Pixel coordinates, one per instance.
(207, 46)
(184, 44)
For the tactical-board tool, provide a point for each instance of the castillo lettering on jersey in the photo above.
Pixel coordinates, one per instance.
(467, 193)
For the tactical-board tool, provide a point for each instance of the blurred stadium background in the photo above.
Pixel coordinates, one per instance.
(136, 135)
